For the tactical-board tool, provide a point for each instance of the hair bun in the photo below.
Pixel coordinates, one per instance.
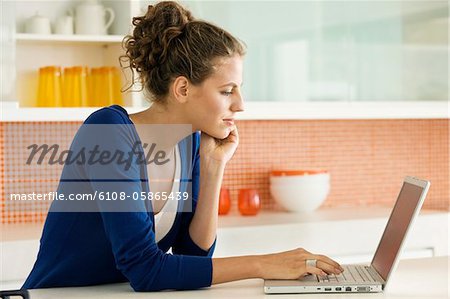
(168, 14)
(156, 30)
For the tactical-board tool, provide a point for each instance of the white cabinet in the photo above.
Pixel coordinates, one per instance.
(33, 51)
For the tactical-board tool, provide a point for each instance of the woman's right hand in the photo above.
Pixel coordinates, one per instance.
(292, 265)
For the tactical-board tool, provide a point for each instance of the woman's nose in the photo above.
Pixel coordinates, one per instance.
(238, 104)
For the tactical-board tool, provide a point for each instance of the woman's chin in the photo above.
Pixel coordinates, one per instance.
(221, 133)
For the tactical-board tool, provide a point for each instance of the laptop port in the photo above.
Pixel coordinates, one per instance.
(338, 289)
(327, 289)
(362, 289)
(348, 289)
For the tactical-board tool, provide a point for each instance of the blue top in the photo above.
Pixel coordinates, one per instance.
(99, 247)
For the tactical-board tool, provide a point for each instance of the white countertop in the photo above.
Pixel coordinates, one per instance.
(329, 214)
(33, 231)
(419, 278)
(347, 234)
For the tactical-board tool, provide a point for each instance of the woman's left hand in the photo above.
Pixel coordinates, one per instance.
(220, 150)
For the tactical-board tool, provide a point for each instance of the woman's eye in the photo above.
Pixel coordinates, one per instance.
(227, 93)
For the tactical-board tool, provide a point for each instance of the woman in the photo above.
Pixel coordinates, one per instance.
(193, 71)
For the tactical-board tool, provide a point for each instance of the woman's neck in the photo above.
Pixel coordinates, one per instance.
(161, 125)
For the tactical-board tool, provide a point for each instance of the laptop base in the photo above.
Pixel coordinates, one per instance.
(273, 287)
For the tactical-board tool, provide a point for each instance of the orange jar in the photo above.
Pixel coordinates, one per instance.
(49, 87)
(248, 202)
(224, 201)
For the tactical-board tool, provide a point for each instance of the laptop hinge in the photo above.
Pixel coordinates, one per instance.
(375, 275)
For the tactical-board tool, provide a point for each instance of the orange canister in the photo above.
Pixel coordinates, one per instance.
(248, 202)
(49, 87)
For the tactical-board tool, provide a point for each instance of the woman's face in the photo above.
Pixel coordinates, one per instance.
(213, 104)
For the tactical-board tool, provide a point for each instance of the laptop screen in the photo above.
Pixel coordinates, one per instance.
(396, 228)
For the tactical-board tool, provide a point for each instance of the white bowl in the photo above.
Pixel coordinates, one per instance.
(300, 193)
(320, 178)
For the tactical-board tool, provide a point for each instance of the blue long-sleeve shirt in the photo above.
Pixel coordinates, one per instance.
(96, 247)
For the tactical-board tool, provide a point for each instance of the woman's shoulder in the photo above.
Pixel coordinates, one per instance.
(113, 114)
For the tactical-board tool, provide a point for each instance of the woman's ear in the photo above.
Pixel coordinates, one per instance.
(181, 89)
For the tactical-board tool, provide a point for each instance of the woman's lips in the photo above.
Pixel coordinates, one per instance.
(229, 121)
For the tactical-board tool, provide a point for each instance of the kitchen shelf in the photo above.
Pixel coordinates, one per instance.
(262, 111)
(12, 113)
(68, 39)
(344, 110)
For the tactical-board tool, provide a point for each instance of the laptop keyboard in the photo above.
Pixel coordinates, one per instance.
(350, 274)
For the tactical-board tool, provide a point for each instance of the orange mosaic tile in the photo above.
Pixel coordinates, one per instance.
(367, 160)
(18, 177)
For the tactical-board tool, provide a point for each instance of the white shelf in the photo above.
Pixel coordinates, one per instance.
(11, 112)
(263, 111)
(345, 110)
(64, 39)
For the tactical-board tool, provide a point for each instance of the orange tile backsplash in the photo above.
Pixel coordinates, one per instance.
(367, 159)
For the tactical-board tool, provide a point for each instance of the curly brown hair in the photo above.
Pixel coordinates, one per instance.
(168, 42)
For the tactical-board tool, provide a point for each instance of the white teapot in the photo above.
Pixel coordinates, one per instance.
(90, 18)
(38, 24)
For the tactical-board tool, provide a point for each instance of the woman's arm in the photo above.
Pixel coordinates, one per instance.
(204, 222)
(235, 268)
(284, 265)
(214, 155)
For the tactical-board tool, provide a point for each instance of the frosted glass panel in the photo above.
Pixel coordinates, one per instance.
(7, 57)
(290, 73)
(338, 50)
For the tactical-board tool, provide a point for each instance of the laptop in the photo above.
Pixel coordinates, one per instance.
(363, 278)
